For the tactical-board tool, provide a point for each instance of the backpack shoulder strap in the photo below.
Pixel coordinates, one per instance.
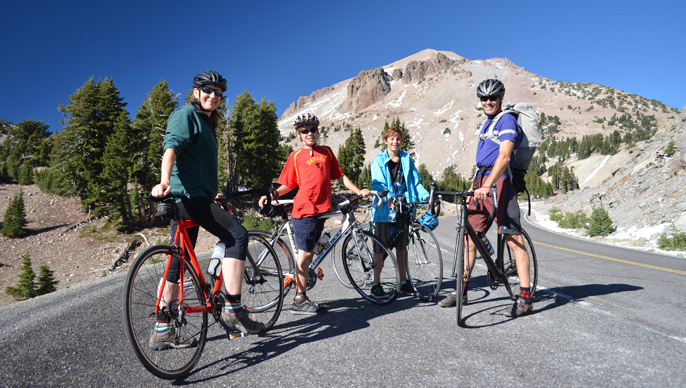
(491, 128)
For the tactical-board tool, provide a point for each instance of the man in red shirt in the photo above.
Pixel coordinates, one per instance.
(311, 168)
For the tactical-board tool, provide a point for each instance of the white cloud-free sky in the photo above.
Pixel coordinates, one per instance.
(280, 50)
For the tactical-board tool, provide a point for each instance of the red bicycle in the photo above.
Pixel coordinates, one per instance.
(144, 297)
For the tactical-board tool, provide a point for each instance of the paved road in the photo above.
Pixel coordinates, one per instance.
(604, 316)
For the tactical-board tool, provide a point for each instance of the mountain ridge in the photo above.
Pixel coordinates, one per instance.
(433, 93)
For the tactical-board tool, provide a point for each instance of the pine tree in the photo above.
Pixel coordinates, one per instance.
(26, 288)
(253, 143)
(148, 128)
(78, 152)
(14, 222)
(600, 223)
(111, 187)
(351, 154)
(46, 281)
(425, 176)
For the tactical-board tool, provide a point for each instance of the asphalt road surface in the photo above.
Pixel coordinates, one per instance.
(603, 316)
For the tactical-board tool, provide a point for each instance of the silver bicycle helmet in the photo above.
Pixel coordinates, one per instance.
(209, 78)
(306, 119)
(490, 87)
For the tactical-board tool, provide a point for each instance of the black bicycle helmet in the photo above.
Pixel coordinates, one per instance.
(306, 119)
(209, 78)
(490, 87)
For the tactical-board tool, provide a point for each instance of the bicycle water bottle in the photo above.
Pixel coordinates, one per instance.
(215, 267)
(487, 243)
(321, 244)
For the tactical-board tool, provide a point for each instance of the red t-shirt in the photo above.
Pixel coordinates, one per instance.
(313, 174)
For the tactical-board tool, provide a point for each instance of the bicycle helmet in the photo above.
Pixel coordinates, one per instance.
(428, 220)
(209, 78)
(490, 87)
(305, 119)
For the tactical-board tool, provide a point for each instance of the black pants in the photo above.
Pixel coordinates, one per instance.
(214, 219)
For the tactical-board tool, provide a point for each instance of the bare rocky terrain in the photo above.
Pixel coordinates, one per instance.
(70, 242)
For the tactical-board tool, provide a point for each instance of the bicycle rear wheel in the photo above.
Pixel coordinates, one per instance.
(140, 299)
(510, 268)
(263, 289)
(285, 256)
(424, 262)
(460, 274)
(358, 261)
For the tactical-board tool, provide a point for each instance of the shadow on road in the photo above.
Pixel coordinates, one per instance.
(344, 316)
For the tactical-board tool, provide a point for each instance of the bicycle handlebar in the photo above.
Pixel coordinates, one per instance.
(355, 198)
(467, 193)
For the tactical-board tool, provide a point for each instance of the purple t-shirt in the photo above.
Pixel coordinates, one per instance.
(487, 150)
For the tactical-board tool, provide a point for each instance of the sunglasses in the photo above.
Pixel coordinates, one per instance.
(490, 98)
(306, 131)
(209, 90)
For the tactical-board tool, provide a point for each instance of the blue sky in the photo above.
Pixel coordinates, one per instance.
(280, 50)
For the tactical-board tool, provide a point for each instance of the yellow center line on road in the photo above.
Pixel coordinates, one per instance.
(613, 259)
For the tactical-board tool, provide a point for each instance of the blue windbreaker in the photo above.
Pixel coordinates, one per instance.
(381, 179)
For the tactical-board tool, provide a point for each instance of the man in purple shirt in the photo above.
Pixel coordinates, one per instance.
(492, 160)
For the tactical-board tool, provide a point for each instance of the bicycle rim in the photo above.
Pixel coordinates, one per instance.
(140, 298)
(510, 268)
(424, 263)
(285, 256)
(347, 253)
(263, 289)
(460, 275)
(359, 267)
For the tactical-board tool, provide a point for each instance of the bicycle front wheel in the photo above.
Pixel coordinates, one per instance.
(285, 256)
(187, 332)
(424, 263)
(360, 266)
(510, 268)
(263, 289)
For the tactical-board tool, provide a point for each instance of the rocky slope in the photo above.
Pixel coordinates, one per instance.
(433, 94)
(641, 187)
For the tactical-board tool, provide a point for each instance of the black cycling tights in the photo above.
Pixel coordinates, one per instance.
(214, 219)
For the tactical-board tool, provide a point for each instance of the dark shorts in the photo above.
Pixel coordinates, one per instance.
(214, 219)
(507, 213)
(307, 231)
(383, 231)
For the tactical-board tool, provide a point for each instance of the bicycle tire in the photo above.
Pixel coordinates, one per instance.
(263, 291)
(424, 263)
(359, 261)
(285, 256)
(140, 299)
(510, 268)
(459, 263)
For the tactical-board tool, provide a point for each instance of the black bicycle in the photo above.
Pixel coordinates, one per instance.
(502, 269)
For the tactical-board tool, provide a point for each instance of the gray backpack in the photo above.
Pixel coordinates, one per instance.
(530, 123)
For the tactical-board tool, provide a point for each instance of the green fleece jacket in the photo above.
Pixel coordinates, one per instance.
(191, 135)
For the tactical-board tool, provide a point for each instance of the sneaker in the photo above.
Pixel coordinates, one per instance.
(449, 301)
(240, 321)
(406, 288)
(307, 307)
(166, 340)
(378, 292)
(521, 308)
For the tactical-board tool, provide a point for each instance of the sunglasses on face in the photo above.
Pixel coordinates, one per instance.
(306, 131)
(209, 90)
(490, 98)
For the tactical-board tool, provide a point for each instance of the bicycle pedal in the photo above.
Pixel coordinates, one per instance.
(234, 334)
(320, 273)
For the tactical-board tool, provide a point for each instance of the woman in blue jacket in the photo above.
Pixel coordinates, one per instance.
(394, 170)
